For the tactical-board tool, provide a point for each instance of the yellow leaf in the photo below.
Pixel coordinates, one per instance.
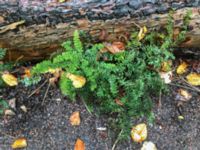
(182, 68)
(139, 133)
(75, 118)
(77, 81)
(142, 33)
(79, 145)
(9, 79)
(166, 66)
(187, 96)
(19, 143)
(193, 79)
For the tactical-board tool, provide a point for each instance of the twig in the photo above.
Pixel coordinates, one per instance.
(38, 88)
(17, 60)
(45, 95)
(196, 89)
(86, 106)
(160, 99)
(186, 87)
(136, 25)
(117, 140)
(5, 134)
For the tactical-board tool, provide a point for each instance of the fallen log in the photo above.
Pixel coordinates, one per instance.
(33, 29)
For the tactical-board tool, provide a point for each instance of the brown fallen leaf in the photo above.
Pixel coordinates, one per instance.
(75, 118)
(139, 133)
(79, 145)
(118, 102)
(19, 143)
(115, 47)
(27, 73)
(77, 81)
(183, 95)
(9, 79)
(193, 79)
(182, 68)
(196, 66)
(119, 45)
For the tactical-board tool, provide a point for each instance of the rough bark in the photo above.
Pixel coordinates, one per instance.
(33, 29)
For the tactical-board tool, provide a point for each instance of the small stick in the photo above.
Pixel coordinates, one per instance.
(88, 109)
(182, 86)
(160, 99)
(38, 88)
(5, 134)
(197, 89)
(136, 25)
(45, 95)
(117, 140)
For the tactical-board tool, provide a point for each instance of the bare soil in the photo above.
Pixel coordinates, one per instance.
(47, 126)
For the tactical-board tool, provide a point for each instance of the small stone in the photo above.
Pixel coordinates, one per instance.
(135, 4)
(23, 108)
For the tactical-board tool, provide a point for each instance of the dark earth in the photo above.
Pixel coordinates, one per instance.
(47, 126)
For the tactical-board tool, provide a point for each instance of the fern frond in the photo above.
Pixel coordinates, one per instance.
(77, 42)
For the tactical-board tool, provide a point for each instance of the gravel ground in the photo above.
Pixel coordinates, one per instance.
(47, 127)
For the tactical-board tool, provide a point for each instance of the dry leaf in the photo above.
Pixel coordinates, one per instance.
(112, 48)
(9, 112)
(139, 133)
(27, 73)
(77, 81)
(196, 65)
(75, 118)
(119, 45)
(182, 68)
(117, 101)
(166, 66)
(142, 33)
(193, 79)
(19, 143)
(166, 76)
(187, 96)
(79, 145)
(148, 146)
(9, 79)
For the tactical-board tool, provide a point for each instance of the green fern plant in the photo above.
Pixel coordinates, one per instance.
(130, 76)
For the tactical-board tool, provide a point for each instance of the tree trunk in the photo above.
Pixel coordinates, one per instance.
(33, 29)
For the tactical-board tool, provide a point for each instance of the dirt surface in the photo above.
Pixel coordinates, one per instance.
(47, 126)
